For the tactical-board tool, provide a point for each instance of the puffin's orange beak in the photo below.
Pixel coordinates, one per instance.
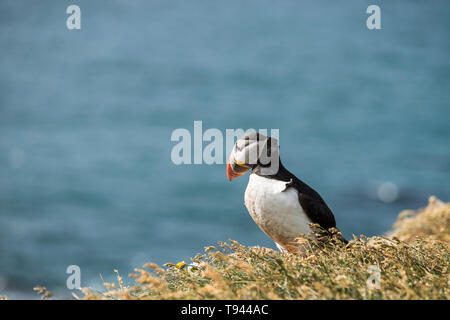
(234, 169)
(230, 172)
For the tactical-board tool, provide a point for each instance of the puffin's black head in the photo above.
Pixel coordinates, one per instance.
(251, 150)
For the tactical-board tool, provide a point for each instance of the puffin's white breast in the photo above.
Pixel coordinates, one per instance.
(275, 209)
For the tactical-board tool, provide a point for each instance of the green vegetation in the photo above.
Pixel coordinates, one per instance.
(413, 261)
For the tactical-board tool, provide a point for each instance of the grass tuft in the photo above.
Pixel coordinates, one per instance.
(412, 262)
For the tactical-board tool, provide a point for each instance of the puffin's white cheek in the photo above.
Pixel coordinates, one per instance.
(239, 156)
(240, 144)
(251, 153)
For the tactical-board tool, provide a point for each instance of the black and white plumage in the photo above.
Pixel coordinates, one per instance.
(282, 205)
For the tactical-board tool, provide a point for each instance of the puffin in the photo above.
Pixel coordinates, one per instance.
(281, 205)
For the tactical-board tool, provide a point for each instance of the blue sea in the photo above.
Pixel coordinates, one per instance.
(86, 117)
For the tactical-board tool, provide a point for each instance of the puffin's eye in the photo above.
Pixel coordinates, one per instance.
(240, 145)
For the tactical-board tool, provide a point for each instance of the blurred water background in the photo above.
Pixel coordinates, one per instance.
(86, 118)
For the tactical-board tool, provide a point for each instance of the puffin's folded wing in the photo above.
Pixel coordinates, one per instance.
(316, 211)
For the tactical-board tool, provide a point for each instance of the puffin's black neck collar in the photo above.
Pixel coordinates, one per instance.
(283, 174)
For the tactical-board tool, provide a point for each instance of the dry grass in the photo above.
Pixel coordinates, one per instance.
(413, 262)
(432, 223)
